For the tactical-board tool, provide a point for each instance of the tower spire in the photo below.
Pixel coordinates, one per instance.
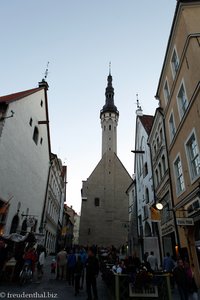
(110, 68)
(109, 93)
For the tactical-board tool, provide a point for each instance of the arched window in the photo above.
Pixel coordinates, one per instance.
(145, 169)
(36, 135)
(147, 229)
(147, 195)
(110, 127)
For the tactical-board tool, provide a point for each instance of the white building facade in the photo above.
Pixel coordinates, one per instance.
(56, 196)
(24, 158)
(148, 230)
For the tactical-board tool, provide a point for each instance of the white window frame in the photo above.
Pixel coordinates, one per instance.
(178, 191)
(181, 112)
(167, 97)
(174, 71)
(193, 177)
(169, 127)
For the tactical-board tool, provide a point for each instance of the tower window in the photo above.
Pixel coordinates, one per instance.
(110, 114)
(110, 127)
(31, 122)
(96, 201)
(41, 103)
(41, 140)
(36, 135)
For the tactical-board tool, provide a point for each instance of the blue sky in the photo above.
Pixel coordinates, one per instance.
(79, 38)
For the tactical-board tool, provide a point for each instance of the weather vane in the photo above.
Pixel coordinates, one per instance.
(138, 102)
(46, 73)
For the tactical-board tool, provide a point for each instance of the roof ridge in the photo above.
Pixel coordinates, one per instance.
(19, 95)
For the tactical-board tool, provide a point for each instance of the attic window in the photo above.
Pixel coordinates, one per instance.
(36, 135)
(31, 122)
(96, 201)
(41, 103)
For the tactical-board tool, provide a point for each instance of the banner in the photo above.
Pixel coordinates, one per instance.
(155, 214)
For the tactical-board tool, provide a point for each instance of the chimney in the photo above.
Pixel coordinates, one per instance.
(44, 84)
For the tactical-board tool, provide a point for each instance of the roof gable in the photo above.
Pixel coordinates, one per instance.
(147, 122)
(18, 96)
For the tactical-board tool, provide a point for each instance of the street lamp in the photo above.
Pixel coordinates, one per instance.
(159, 206)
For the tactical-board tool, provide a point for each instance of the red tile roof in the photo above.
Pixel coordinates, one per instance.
(18, 96)
(147, 122)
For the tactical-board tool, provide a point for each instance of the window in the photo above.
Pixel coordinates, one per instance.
(164, 164)
(157, 142)
(145, 170)
(174, 63)
(172, 129)
(160, 170)
(41, 140)
(31, 122)
(180, 185)
(41, 103)
(193, 156)
(36, 135)
(154, 147)
(166, 92)
(96, 202)
(157, 177)
(182, 101)
(110, 127)
(147, 195)
(161, 135)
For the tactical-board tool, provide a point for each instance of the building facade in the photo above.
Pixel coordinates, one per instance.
(162, 183)
(104, 211)
(24, 156)
(76, 229)
(148, 229)
(133, 242)
(179, 96)
(55, 198)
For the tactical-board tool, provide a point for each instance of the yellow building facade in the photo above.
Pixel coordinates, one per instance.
(179, 96)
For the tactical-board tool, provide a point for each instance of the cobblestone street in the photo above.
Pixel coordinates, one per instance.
(49, 288)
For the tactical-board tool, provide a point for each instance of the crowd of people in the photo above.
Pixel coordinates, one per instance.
(181, 273)
(81, 265)
(78, 265)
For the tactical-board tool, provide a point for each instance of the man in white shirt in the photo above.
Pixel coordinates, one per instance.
(152, 260)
